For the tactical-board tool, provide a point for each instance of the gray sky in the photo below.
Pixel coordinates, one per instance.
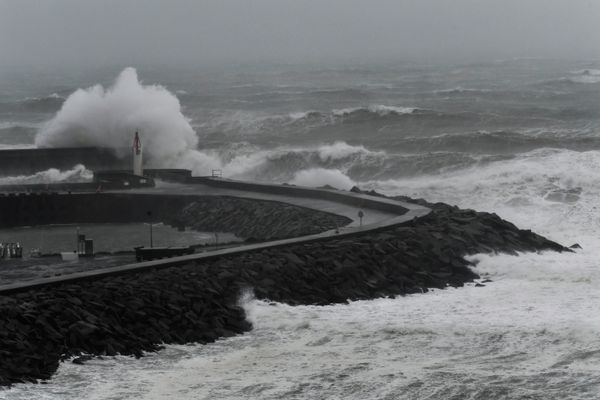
(94, 32)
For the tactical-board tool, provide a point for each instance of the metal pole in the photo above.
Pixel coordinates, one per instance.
(149, 214)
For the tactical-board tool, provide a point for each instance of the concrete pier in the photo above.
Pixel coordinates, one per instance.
(378, 214)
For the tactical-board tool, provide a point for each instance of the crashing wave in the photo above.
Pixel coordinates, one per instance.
(250, 123)
(4, 146)
(523, 188)
(586, 76)
(340, 150)
(244, 161)
(8, 125)
(317, 177)
(45, 104)
(378, 109)
(585, 79)
(500, 142)
(461, 90)
(587, 72)
(108, 118)
(77, 174)
(48, 103)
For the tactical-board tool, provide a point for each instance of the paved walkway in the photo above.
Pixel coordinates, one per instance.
(370, 216)
(373, 220)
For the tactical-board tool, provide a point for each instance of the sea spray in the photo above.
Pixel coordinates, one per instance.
(322, 177)
(340, 150)
(77, 174)
(108, 118)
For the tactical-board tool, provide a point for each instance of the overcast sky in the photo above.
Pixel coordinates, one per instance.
(173, 32)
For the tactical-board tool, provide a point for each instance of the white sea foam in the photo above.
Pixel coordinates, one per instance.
(16, 146)
(460, 89)
(533, 329)
(339, 150)
(380, 109)
(240, 121)
(526, 190)
(590, 71)
(585, 79)
(16, 124)
(589, 76)
(515, 337)
(315, 177)
(77, 174)
(313, 166)
(51, 96)
(299, 115)
(254, 123)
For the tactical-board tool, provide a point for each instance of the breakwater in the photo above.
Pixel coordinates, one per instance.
(197, 302)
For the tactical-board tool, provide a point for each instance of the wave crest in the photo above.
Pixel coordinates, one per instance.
(77, 174)
(250, 123)
(316, 177)
(377, 109)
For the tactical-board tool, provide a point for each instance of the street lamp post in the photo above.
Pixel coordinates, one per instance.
(149, 213)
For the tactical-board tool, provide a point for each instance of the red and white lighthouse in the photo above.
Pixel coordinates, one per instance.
(137, 155)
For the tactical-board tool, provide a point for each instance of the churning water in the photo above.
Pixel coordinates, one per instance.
(519, 138)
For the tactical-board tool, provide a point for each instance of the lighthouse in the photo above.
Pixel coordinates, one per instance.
(137, 155)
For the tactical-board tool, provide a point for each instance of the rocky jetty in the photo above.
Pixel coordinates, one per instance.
(121, 315)
(198, 302)
(256, 220)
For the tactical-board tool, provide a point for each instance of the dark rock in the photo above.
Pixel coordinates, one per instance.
(255, 220)
(82, 359)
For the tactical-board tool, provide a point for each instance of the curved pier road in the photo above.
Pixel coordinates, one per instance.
(364, 203)
(378, 214)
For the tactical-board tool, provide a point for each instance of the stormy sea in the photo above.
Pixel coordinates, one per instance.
(517, 137)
